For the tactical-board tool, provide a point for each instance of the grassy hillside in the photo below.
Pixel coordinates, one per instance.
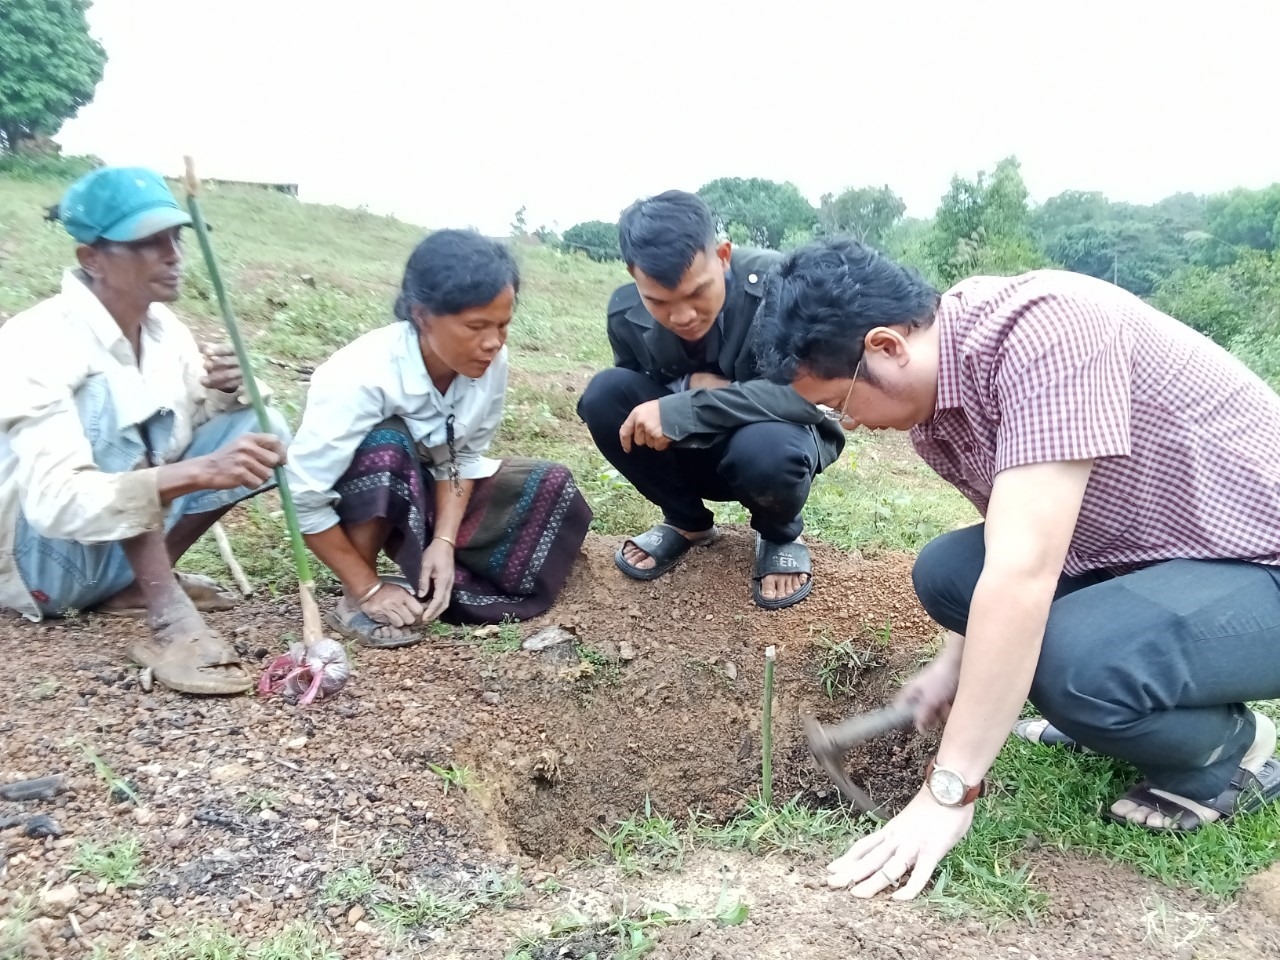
(306, 279)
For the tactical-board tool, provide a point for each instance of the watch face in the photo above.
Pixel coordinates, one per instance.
(947, 787)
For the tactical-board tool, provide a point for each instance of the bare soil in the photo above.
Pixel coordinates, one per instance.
(656, 699)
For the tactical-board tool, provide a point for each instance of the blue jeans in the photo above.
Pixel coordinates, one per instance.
(77, 576)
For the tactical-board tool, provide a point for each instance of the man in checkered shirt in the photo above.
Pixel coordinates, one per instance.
(1126, 575)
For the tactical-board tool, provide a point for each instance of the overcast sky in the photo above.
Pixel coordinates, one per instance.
(457, 112)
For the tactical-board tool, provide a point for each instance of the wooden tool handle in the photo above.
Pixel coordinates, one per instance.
(855, 730)
(191, 181)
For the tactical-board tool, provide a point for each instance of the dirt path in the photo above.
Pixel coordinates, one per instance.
(655, 699)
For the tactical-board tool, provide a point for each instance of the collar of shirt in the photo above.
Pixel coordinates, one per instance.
(86, 305)
(161, 356)
(414, 379)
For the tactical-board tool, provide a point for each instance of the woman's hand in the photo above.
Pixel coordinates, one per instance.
(437, 578)
(394, 606)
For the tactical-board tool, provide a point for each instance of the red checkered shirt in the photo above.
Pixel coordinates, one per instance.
(1053, 366)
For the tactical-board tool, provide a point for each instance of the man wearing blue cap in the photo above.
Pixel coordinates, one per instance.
(121, 441)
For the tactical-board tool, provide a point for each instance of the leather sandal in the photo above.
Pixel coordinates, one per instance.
(202, 664)
(665, 545)
(780, 558)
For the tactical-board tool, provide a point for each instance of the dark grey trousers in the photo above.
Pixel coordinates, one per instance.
(1152, 667)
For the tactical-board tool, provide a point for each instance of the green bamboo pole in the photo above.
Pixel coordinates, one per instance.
(311, 627)
(766, 730)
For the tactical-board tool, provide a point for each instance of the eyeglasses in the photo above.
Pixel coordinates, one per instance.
(842, 414)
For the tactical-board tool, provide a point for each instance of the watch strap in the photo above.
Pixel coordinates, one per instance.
(970, 794)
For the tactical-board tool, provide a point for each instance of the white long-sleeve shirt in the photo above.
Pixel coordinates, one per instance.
(379, 375)
(47, 466)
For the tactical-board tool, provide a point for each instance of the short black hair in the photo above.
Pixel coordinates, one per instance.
(825, 298)
(451, 271)
(663, 234)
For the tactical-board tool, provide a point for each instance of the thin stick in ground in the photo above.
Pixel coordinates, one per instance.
(766, 731)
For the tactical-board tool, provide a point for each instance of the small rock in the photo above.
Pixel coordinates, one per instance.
(41, 826)
(124, 793)
(311, 826)
(626, 652)
(730, 670)
(167, 910)
(547, 637)
(1186, 952)
(144, 815)
(175, 838)
(147, 679)
(304, 854)
(355, 915)
(268, 814)
(228, 773)
(59, 901)
(491, 697)
(297, 799)
(44, 788)
(90, 910)
(297, 743)
(362, 927)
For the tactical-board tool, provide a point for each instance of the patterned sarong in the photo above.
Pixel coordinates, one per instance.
(519, 537)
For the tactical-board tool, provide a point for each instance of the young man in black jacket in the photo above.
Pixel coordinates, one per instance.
(684, 414)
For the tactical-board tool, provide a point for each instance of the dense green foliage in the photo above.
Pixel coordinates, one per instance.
(49, 67)
(597, 239)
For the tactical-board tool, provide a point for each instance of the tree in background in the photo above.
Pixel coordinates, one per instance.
(49, 67)
(763, 211)
(1239, 219)
(984, 226)
(867, 213)
(597, 239)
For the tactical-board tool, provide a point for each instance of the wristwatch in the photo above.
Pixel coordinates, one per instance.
(949, 788)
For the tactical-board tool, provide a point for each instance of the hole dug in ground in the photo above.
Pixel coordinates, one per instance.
(652, 703)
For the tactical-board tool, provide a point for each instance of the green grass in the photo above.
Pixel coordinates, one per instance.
(453, 776)
(212, 941)
(119, 863)
(347, 887)
(629, 933)
(644, 843)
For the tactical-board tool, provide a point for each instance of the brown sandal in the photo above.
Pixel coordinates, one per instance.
(202, 664)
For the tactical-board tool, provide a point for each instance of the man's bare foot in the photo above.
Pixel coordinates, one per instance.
(1260, 751)
(207, 595)
(186, 655)
(778, 585)
(642, 561)
(782, 574)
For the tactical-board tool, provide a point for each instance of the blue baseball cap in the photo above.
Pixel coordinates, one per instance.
(121, 204)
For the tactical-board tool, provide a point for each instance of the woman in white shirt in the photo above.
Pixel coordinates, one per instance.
(391, 457)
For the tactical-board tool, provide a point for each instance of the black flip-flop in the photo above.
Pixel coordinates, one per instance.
(665, 545)
(1248, 792)
(780, 558)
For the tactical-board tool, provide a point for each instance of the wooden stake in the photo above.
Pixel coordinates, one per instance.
(229, 558)
(766, 730)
